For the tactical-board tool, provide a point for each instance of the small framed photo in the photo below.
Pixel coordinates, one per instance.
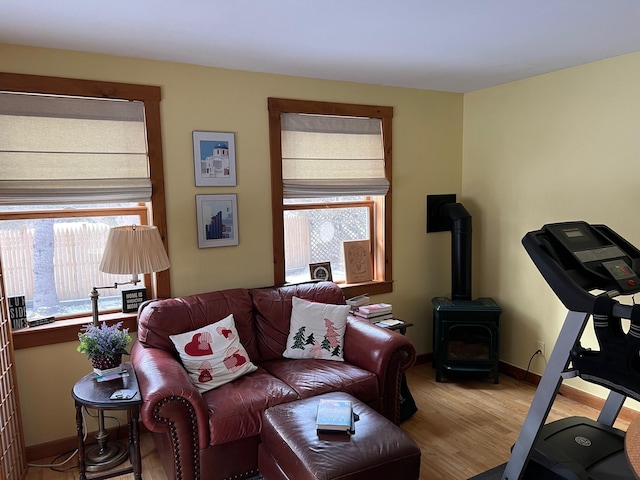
(214, 157)
(320, 271)
(217, 220)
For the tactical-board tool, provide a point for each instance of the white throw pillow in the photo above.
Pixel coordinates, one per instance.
(213, 354)
(316, 330)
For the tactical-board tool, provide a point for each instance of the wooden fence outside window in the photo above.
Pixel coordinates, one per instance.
(77, 252)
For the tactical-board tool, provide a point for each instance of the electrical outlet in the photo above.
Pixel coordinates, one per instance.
(541, 347)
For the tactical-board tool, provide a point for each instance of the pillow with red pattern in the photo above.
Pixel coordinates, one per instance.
(316, 330)
(213, 354)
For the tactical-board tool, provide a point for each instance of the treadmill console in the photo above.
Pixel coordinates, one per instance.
(596, 253)
(576, 258)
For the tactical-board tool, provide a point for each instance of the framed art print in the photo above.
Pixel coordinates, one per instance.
(217, 217)
(357, 260)
(214, 157)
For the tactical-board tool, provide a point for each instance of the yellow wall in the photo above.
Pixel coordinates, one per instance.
(562, 146)
(558, 147)
(427, 159)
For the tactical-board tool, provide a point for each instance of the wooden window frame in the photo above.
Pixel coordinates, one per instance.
(382, 240)
(67, 330)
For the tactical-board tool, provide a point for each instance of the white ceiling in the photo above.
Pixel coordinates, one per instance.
(450, 45)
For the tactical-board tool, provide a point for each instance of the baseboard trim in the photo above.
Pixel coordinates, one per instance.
(572, 393)
(65, 446)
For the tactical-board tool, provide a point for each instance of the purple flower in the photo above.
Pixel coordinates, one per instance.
(103, 340)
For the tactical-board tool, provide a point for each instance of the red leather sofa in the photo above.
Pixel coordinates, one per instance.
(215, 435)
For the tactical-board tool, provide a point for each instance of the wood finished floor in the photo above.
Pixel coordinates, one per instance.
(463, 427)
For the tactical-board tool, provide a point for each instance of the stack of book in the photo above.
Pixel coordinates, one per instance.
(335, 416)
(374, 312)
(359, 301)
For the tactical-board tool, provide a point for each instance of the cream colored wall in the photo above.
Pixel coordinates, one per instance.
(427, 155)
(558, 147)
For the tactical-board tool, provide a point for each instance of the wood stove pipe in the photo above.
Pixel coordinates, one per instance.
(460, 249)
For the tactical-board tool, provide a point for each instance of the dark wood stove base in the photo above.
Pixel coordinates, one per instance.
(466, 337)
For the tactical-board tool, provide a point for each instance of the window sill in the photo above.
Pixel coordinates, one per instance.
(62, 331)
(366, 288)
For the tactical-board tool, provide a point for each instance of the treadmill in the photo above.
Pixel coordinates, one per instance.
(587, 267)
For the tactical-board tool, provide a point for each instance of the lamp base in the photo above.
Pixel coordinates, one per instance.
(111, 455)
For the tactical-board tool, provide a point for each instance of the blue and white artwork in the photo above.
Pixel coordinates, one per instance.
(214, 158)
(217, 220)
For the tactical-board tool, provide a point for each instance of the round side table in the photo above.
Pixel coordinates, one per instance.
(90, 393)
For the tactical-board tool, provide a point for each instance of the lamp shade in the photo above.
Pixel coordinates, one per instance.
(134, 249)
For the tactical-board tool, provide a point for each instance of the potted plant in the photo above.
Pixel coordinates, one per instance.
(104, 345)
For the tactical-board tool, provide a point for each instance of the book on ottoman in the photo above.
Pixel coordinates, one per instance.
(335, 416)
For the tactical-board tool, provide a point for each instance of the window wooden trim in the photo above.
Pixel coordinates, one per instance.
(383, 282)
(148, 94)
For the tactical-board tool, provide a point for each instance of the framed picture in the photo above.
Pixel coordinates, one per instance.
(132, 298)
(214, 157)
(320, 271)
(217, 220)
(18, 312)
(357, 261)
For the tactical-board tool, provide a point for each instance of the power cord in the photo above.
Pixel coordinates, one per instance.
(537, 352)
(71, 455)
(515, 375)
(54, 466)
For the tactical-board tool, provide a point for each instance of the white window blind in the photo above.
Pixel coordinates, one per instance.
(63, 150)
(331, 156)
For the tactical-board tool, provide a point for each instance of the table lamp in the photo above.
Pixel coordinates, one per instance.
(134, 250)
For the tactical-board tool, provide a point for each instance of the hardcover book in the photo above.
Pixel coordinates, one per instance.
(358, 301)
(389, 323)
(375, 309)
(373, 318)
(335, 416)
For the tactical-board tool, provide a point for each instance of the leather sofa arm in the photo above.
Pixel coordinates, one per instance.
(172, 404)
(386, 353)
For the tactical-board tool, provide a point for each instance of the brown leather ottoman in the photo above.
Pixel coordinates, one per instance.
(291, 449)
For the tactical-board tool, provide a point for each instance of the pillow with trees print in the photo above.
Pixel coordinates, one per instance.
(316, 330)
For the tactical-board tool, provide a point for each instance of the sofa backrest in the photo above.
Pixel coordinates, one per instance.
(160, 318)
(272, 308)
(262, 315)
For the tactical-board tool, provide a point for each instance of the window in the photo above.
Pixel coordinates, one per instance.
(331, 183)
(78, 157)
(52, 258)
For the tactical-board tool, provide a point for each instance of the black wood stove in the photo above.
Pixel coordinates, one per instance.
(466, 332)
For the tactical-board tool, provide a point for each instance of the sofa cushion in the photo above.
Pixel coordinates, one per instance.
(213, 354)
(316, 330)
(273, 312)
(310, 377)
(159, 319)
(235, 409)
